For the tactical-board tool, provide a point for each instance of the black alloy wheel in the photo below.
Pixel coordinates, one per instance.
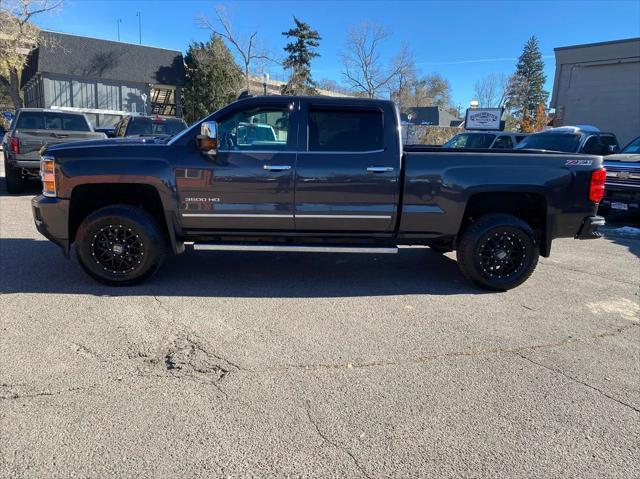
(498, 251)
(117, 249)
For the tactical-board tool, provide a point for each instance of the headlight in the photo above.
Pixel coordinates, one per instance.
(48, 175)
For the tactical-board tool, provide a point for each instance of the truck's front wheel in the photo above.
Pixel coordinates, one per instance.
(120, 245)
(498, 252)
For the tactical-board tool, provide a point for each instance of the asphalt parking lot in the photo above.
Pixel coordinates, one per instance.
(291, 365)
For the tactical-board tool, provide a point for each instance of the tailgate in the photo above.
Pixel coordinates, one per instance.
(31, 141)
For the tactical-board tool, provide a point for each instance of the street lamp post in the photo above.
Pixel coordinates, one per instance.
(264, 84)
(119, 22)
(139, 27)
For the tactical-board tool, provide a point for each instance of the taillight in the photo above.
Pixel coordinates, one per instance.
(48, 175)
(596, 187)
(14, 145)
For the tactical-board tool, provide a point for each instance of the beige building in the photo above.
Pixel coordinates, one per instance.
(274, 87)
(599, 84)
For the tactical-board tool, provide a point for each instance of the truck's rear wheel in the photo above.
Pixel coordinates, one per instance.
(498, 252)
(120, 245)
(14, 180)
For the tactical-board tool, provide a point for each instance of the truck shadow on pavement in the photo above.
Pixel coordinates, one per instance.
(623, 229)
(37, 266)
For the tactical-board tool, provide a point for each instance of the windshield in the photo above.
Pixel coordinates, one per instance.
(550, 141)
(633, 147)
(470, 140)
(161, 126)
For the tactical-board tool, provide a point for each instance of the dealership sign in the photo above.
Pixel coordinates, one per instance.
(483, 119)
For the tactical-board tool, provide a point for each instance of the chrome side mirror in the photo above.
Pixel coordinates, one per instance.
(208, 138)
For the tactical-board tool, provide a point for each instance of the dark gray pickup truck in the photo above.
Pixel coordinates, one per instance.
(311, 174)
(30, 130)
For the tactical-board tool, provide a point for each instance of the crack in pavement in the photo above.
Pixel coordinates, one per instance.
(326, 439)
(15, 395)
(578, 381)
(83, 350)
(453, 354)
(575, 270)
(193, 337)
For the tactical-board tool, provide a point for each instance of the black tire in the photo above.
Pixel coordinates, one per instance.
(14, 180)
(498, 252)
(140, 242)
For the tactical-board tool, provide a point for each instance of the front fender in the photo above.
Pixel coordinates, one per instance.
(157, 173)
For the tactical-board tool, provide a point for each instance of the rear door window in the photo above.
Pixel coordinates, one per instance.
(609, 140)
(592, 146)
(503, 142)
(345, 130)
(551, 141)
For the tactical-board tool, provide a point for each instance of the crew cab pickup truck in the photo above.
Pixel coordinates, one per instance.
(333, 177)
(30, 130)
(622, 189)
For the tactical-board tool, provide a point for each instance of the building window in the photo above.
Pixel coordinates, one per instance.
(108, 97)
(132, 99)
(57, 92)
(163, 101)
(84, 94)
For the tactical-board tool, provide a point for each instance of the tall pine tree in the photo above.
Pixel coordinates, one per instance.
(526, 89)
(300, 53)
(213, 78)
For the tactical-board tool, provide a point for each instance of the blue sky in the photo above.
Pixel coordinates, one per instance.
(462, 40)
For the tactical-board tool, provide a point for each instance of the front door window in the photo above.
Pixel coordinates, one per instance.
(255, 130)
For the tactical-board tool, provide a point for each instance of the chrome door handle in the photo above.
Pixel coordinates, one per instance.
(380, 169)
(276, 167)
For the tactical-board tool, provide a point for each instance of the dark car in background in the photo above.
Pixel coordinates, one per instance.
(572, 139)
(30, 130)
(500, 140)
(622, 189)
(149, 126)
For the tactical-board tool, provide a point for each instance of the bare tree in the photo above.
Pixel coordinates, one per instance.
(332, 85)
(246, 46)
(18, 36)
(491, 90)
(364, 68)
(400, 86)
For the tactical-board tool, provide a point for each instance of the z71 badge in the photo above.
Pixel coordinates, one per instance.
(579, 162)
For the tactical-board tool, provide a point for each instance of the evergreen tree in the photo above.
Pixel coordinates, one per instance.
(300, 53)
(213, 78)
(526, 89)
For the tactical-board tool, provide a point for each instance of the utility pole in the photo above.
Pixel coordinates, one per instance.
(139, 27)
(119, 22)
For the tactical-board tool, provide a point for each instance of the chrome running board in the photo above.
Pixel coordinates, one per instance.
(295, 248)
